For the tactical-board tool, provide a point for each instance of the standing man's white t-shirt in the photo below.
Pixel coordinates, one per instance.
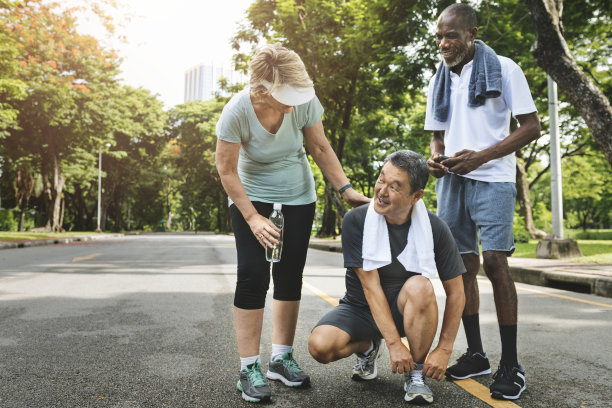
(484, 126)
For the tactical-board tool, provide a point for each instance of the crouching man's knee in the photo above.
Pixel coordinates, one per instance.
(326, 343)
(418, 294)
(319, 347)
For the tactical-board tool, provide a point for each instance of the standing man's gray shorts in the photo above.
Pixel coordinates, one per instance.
(469, 206)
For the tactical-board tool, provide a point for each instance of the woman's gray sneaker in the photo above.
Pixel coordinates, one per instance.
(287, 370)
(365, 369)
(253, 384)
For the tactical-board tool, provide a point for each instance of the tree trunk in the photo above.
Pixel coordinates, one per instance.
(552, 54)
(25, 187)
(62, 211)
(328, 220)
(523, 199)
(24, 207)
(331, 217)
(57, 186)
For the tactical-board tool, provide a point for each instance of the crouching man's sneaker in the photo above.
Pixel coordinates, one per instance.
(417, 392)
(509, 382)
(253, 384)
(287, 370)
(469, 365)
(365, 369)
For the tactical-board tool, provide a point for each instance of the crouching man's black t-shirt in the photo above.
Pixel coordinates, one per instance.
(393, 276)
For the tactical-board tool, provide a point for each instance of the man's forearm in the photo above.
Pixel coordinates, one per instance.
(437, 142)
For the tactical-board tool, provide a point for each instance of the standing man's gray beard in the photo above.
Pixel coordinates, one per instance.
(460, 57)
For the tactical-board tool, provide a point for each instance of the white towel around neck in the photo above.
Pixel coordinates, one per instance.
(418, 255)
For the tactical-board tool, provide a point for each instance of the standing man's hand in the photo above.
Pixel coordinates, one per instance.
(401, 359)
(464, 161)
(436, 168)
(353, 198)
(436, 363)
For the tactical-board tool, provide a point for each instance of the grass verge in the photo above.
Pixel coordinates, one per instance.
(595, 251)
(29, 236)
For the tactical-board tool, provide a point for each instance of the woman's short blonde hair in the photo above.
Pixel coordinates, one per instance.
(279, 66)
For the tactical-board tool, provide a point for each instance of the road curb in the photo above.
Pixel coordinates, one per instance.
(576, 282)
(56, 241)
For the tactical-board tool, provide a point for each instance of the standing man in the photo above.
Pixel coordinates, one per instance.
(392, 248)
(469, 104)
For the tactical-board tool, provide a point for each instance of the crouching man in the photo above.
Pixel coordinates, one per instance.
(392, 248)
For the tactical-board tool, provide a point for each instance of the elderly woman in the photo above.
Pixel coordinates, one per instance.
(261, 161)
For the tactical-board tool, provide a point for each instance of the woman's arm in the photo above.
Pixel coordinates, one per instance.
(226, 157)
(328, 162)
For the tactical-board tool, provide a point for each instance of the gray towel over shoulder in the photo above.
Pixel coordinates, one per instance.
(485, 81)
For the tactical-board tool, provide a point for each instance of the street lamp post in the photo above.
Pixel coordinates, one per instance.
(99, 186)
(556, 247)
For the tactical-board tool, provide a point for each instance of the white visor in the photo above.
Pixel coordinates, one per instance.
(289, 95)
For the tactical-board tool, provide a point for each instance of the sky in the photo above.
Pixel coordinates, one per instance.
(165, 38)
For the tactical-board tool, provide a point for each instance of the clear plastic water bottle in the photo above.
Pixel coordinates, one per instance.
(274, 254)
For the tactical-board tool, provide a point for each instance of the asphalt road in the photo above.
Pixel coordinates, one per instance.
(146, 321)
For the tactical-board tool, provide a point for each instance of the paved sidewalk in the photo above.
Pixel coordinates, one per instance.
(576, 276)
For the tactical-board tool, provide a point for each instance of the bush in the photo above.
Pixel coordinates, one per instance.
(604, 234)
(518, 228)
(7, 221)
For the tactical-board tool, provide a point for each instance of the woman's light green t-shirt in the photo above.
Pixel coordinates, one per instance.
(272, 167)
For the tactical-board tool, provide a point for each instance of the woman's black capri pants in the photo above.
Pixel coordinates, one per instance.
(253, 269)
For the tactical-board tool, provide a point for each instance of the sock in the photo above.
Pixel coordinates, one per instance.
(278, 350)
(246, 361)
(418, 369)
(368, 351)
(508, 340)
(471, 325)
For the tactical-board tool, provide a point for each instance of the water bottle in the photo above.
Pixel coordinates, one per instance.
(274, 254)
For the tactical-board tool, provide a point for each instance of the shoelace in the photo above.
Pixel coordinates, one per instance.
(416, 378)
(255, 375)
(362, 363)
(504, 373)
(464, 356)
(291, 363)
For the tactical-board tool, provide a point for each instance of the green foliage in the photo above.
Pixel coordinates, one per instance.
(190, 156)
(599, 234)
(518, 228)
(7, 220)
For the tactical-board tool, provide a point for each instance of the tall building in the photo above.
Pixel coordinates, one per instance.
(202, 81)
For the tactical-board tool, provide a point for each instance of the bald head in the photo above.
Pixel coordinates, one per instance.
(464, 13)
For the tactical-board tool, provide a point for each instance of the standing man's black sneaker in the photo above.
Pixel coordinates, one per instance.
(509, 382)
(469, 365)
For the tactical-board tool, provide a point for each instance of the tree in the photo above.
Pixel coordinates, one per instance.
(67, 76)
(191, 128)
(553, 55)
(134, 161)
(12, 89)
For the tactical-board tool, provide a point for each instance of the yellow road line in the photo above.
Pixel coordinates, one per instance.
(86, 258)
(321, 294)
(589, 302)
(482, 393)
(541, 292)
(472, 387)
